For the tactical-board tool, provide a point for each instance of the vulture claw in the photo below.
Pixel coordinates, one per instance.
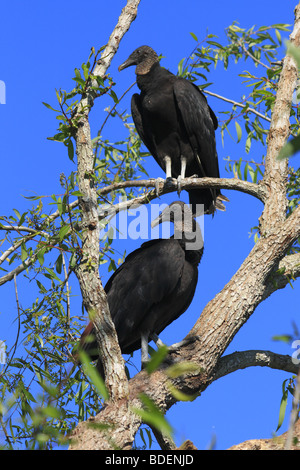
(174, 347)
(157, 183)
(179, 185)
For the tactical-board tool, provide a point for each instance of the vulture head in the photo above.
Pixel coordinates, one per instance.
(186, 227)
(143, 57)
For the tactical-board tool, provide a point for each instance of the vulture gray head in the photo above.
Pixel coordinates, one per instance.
(185, 226)
(143, 57)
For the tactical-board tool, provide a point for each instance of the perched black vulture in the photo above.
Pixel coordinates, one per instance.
(154, 286)
(173, 119)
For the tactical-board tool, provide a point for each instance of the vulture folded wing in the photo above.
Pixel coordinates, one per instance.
(139, 122)
(145, 279)
(199, 121)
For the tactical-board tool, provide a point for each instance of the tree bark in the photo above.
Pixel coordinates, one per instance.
(87, 269)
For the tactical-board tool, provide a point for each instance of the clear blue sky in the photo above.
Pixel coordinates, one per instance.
(41, 44)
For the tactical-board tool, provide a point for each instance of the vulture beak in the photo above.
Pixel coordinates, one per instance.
(126, 64)
(157, 221)
(174, 212)
(165, 216)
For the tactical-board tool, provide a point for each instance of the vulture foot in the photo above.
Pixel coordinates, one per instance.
(175, 346)
(157, 183)
(179, 185)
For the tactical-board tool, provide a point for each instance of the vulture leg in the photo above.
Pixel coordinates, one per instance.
(182, 174)
(167, 160)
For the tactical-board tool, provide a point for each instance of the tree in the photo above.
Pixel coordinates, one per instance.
(59, 247)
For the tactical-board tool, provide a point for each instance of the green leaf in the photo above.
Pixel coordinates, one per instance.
(50, 107)
(51, 412)
(282, 407)
(178, 394)
(58, 263)
(51, 274)
(114, 96)
(17, 213)
(284, 338)
(151, 415)
(93, 374)
(290, 148)
(70, 149)
(278, 35)
(63, 231)
(194, 37)
(293, 51)
(58, 96)
(248, 143)
(24, 254)
(85, 71)
(60, 137)
(180, 66)
(182, 368)
(238, 131)
(77, 73)
(246, 171)
(157, 358)
(79, 80)
(40, 256)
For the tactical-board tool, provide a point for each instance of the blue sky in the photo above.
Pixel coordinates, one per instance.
(41, 44)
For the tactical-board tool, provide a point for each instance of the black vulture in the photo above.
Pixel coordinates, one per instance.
(173, 119)
(154, 285)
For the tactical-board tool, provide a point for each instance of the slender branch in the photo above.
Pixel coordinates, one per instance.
(14, 347)
(253, 358)
(66, 282)
(113, 108)
(19, 269)
(253, 189)
(252, 56)
(7, 437)
(10, 250)
(22, 228)
(240, 105)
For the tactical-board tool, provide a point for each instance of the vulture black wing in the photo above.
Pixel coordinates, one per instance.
(137, 116)
(143, 281)
(200, 123)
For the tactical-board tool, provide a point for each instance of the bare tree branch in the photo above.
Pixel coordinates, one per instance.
(243, 359)
(236, 103)
(253, 189)
(19, 269)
